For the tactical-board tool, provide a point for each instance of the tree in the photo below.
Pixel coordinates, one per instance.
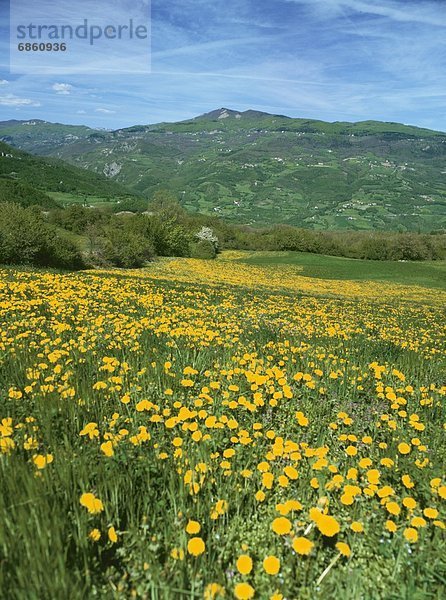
(27, 239)
(206, 234)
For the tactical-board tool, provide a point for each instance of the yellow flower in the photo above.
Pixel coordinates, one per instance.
(410, 534)
(343, 548)
(196, 546)
(373, 476)
(403, 448)
(244, 564)
(107, 448)
(347, 500)
(193, 527)
(430, 513)
(301, 419)
(409, 503)
(418, 522)
(357, 527)
(213, 590)
(41, 461)
(393, 508)
(177, 553)
(112, 535)
(94, 535)
(407, 481)
(281, 525)
(91, 503)
(271, 564)
(327, 525)
(243, 591)
(302, 545)
(391, 526)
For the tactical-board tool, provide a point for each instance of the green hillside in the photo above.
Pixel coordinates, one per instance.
(257, 168)
(29, 179)
(40, 137)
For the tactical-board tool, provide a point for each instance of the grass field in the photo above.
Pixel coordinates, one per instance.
(65, 199)
(240, 428)
(428, 273)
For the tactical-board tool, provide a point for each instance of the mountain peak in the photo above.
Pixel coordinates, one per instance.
(223, 113)
(219, 113)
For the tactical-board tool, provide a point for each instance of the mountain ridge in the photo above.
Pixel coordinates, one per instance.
(258, 168)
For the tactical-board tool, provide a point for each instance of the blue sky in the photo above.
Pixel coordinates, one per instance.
(325, 59)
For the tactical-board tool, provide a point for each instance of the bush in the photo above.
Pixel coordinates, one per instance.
(64, 253)
(121, 248)
(26, 239)
(203, 249)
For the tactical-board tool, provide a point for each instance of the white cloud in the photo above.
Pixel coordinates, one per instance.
(105, 111)
(4, 82)
(62, 88)
(11, 100)
(81, 112)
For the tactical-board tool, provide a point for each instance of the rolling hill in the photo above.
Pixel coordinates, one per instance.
(28, 179)
(254, 167)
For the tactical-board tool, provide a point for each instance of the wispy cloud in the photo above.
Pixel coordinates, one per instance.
(11, 100)
(4, 82)
(62, 88)
(326, 59)
(426, 12)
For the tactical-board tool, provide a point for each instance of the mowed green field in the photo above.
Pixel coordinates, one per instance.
(427, 273)
(65, 199)
(239, 428)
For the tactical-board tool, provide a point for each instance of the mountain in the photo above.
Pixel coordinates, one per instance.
(255, 167)
(29, 179)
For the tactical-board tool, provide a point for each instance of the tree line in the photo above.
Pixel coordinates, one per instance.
(79, 237)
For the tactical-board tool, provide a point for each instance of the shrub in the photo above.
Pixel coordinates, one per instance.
(121, 248)
(26, 239)
(203, 249)
(206, 234)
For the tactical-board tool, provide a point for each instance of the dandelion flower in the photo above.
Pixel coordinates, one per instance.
(243, 591)
(393, 508)
(94, 535)
(42, 461)
(411, 534)
(193, 527)
(271, 564)
(328, 525)
(302, 545)
(403, 448)
(213, 590)
(107, 448)
(407, 481)
(196, 546)
(343, 548)
(357, 527)
(391, 526)
(430, 513)
(281, 526)
(244, 564)
(91, 503)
